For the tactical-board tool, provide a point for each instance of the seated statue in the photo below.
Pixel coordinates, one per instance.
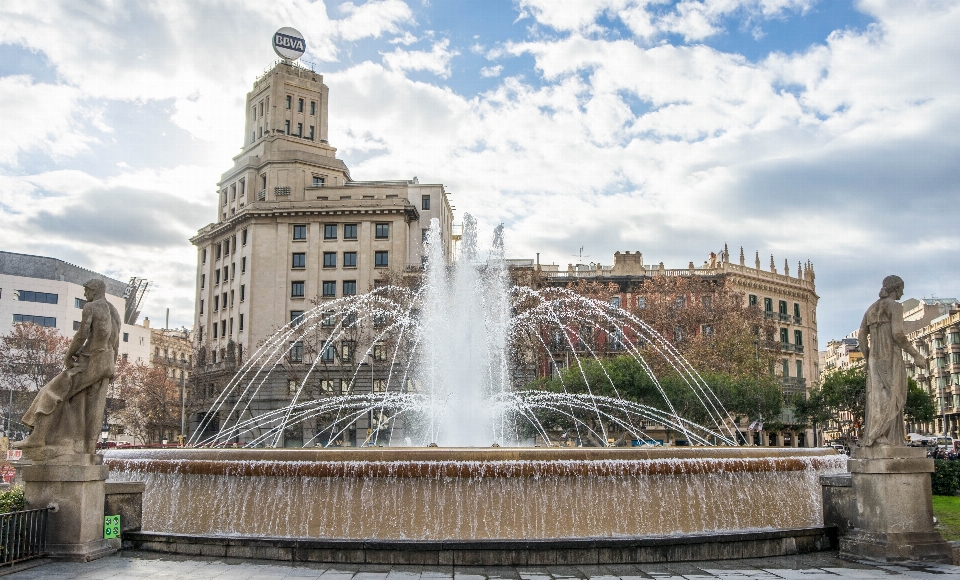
(67, 412)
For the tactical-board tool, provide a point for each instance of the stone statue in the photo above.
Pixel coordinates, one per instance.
(882, 341)
(67, 412)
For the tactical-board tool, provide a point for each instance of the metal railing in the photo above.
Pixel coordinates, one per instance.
(23, 535)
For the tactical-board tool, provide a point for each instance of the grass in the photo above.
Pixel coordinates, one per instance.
(946, 509)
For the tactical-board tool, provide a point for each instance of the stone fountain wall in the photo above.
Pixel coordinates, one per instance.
(477, 494)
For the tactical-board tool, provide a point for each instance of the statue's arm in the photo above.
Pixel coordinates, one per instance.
(80, 337)
(862, 338)
(900, 338)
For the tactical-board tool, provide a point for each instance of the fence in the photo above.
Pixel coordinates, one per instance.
(23, 535)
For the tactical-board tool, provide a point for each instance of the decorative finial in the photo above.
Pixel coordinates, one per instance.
(742, 260)
(773, 265)
(786, 267)
(726, 253)
(757, 259)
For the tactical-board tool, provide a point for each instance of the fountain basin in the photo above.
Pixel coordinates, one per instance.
(471, 494)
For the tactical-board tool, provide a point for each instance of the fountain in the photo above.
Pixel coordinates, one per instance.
(454, 356)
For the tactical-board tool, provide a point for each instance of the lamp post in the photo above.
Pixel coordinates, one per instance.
(183, 397)
(10, 405)
(104, 433)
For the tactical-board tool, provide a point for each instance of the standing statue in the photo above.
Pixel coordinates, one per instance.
(882, 341)
(66, 413)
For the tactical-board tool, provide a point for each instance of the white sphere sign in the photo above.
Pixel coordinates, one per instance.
(288, 43)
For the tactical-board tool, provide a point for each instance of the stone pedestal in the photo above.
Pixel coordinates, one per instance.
(893, 519)
(74, 488)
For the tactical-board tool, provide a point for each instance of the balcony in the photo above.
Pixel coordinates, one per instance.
(798, 348)
(787, 347)
(795, 382)
(770, 314)
(798, 320)
(784, 317)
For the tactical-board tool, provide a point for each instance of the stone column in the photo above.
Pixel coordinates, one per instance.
(779, 438)
(795, 439)
(764, 439)
(75, 491)
(893, 520)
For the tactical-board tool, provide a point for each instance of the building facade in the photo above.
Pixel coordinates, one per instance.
(788, 300)
(293, 227)
(49, 292)
(939, 341)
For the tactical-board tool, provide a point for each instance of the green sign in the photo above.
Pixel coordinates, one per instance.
(111, 527)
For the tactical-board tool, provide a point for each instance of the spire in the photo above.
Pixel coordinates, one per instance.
(757, 259)
(726, 253)
(786, 267)
(773, 265)
(742, 261)
(799, 271)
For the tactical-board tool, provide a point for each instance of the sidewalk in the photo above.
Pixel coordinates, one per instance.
(133, 565)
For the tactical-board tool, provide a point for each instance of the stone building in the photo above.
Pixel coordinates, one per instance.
(788, 298)
(172, 351)
(293, 229)
(939, 341)
(840, 354)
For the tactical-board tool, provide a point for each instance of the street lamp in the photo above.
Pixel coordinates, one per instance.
(183, 397)
(105, 433)
(10, 406)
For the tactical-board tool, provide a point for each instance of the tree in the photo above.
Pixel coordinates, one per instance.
(151, 401)
(840, 399)
(30, 356)
(920, 407)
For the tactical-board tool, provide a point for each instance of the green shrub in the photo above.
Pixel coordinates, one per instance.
(12, 500)
(946, 477)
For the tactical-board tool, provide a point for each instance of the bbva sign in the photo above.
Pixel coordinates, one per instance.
(289, 43)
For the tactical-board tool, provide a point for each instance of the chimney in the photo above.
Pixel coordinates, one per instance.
(146, 322)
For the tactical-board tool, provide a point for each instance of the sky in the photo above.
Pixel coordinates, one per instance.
(821, 130)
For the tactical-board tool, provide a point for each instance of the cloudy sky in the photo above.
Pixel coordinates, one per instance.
(824, 130)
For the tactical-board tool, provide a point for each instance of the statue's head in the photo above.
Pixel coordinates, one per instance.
(94, 290)
(892, 286)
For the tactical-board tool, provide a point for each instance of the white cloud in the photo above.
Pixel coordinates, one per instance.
(436, 61)
(374, 18)
(491, 71)
(42, 117)
(407, 39)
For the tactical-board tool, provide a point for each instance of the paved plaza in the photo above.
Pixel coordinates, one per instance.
(135, 565)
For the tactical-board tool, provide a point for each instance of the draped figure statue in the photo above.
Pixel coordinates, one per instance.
(882, 343)
(67, 412)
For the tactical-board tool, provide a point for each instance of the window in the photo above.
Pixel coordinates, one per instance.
(313, 107)
(329, 259)
(381, 259)
(226, 273)
(126, 337)
(318, 181)
(783, 306)
(346, 351)
(203, 256)
(329, 289)
(768, 304)
(299, 129)
(382, 231)
(796, 310)
(327, 354)
(798, 337)
(43, 297)
(330, 231)
(784, 337)
(641, 302)
(203, 284)
(263, 181)
(424, 202)
(219, 250)
(243, 237)
(243, 264)
(233, 268)
(231, 325)
(299, 260)
(300, 232)
(76, 325)
(753, 300)
(216, 277)
(615, 302)
(785, 367)
(223, 328)
(424, 235)
(310, 136)
(216, 302)
(707, 301)
(296, 289)
(216, 333)
(299, 105)
(231, 298)
(296, 317)
(286, 127)
(242, 293)
(379, 320)
(201, 307)
(379, 385)
(349, 231)
(289, 100)
(349, 287)
(241, 322)
(38, 320)
(379, 352)
(296, 355)
(80, 302)
(223, 300)
(706, 330)
(799, 369)
(328, 319)
(681, 301)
